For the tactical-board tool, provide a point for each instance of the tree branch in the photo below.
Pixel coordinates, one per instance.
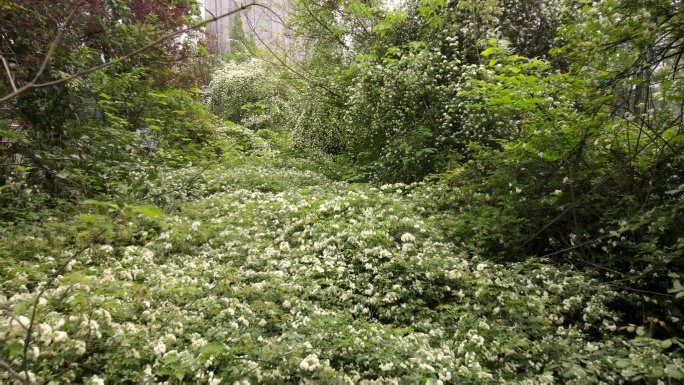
(138, 51)
(284, 64)
(13, 373)
(55, 42)
(9, 74)
(48, 56)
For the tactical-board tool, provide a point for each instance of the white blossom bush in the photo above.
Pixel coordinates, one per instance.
(249, 93)
(269, 272)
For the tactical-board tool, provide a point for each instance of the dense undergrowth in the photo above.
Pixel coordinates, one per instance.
(439, 191)
(265, 270)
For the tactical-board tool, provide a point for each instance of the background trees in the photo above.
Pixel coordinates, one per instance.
(512, 164)
(77, 138)
(556, 124)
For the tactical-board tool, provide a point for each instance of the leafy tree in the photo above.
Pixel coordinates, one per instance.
(63, 60)
(557, 125)
(240, 45)
(249, 93)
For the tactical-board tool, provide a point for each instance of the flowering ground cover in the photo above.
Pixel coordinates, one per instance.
(266, 271)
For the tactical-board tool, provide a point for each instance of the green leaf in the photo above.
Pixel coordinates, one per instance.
(666, 344)
(170, 359)
(489, 51)
(621, 364)
(100, 203)
(105, 225)
(211, 348)
(147, 210)
(675, 371)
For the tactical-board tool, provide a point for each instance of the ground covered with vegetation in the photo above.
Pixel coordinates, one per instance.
(271, 272)
(431, 191)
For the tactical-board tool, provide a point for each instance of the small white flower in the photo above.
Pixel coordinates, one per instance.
(80, 347)
(59, 336)
(106, 248)
(160, 348)
(310, 363)
(20, 323)
(408, 237)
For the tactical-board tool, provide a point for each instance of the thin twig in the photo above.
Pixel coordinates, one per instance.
(326, 27)
(9, 73)
(55, 43)
(12, 372)
(123, 58)
(282, 62)
(46, 60)
(574, 247)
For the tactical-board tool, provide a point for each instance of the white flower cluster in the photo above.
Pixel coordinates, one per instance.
(290, 277)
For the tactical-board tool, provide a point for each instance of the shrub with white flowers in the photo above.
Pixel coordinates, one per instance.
(248, 93)
(272, 273)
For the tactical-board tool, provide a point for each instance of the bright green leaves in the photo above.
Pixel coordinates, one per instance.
(359, 9)
(146, 210)
(489, 51)
(100, 204)
(108, 213)
(677, 289)
(100, 221)
(430, 8)
(211, 349)
(389, 22)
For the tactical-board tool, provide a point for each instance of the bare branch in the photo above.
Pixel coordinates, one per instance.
(9, 74)
(55, 42)
(125, 57)
(48, 56)
(284, 64)
(12, 372)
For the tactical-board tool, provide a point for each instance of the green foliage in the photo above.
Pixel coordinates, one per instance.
(273, 273)
(242, 139)
(556, 126)
(241, 46)
(398, 110)
(538, 240)
(250, 94)
(103, 133)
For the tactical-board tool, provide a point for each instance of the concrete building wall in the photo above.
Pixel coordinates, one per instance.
(264, 26)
